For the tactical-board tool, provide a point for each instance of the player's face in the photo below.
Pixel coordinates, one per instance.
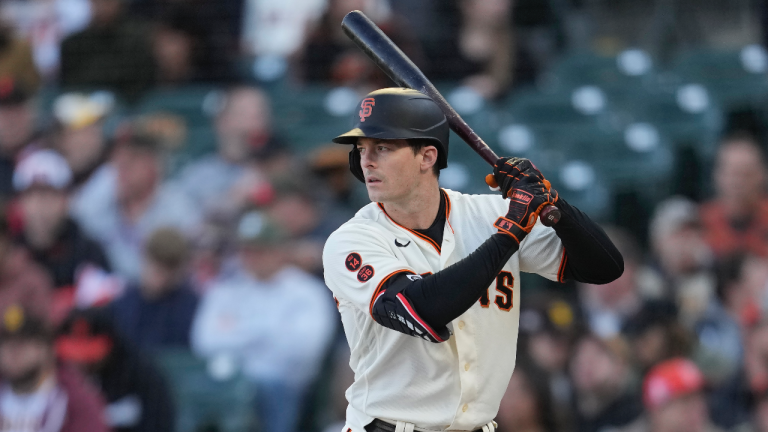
(392, 171)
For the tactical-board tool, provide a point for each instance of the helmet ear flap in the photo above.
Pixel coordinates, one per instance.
(354, 164)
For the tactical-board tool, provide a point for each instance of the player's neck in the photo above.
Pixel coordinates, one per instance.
(419, 211)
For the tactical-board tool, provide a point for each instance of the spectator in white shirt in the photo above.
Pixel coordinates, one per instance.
(127, 201)
(272, 318)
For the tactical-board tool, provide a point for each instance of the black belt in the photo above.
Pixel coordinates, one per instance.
(381, 426)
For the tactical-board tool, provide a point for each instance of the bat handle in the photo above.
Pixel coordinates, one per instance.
(549, 215)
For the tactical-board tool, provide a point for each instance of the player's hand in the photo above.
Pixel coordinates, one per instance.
(525, 202)
(507, 171)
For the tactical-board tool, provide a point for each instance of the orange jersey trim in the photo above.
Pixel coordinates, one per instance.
(418, 234)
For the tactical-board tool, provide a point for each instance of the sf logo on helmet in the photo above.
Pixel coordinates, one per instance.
(367, 107)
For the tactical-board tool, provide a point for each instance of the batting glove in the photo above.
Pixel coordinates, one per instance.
(525, 202)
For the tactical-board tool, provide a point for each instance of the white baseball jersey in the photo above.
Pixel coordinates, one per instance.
(454, 385)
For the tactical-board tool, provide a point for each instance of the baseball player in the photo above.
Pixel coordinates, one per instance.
(427, 280)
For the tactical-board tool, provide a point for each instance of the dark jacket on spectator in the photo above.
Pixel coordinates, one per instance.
(23, 281)
(132, 385)
(620, 412)
(161, 323)
(72, 250)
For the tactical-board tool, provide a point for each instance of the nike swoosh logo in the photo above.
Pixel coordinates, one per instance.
(398, 244)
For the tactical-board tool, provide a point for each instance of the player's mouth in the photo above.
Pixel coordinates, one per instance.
(372, 181)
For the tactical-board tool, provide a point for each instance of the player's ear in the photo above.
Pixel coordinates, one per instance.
(428, 157)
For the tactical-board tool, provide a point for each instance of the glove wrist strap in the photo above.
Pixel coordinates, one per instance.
(510, 228)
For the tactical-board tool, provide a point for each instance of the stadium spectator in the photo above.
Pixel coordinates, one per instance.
(137, 395)
(258, 315)
(604, 394)
(674, 400)
(129, 201)
(113, 52)
(37, 394)
(681, 260)
(655, 335)
(17, 128)
(737, 217)
(243, 131)
(158, 313)
(742, 286)
(16, 58)
(53, 238)
(549, 326)
(178, 46)
(330, 163)
(22, 280)
(607, 307)
(527, 404)
(329, 57)
(482, 52)
(278, 28)
(45, 24)
(79, 134)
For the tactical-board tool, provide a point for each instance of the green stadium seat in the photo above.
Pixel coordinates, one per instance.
(630, 71)
(687, 117)
(735, 78)
(202, 401)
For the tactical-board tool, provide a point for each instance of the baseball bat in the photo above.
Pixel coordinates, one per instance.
(389, 58)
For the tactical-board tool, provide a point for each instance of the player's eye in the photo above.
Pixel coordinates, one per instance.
(383, 148)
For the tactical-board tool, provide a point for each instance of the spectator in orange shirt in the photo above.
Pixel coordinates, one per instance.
(737, 218)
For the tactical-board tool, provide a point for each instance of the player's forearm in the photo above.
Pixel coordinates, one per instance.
(441, 297)
(591, 256)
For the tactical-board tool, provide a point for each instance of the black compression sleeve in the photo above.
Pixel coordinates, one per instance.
(590, 255)
(441, 297)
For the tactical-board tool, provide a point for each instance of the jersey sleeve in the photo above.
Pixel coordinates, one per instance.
(357, 262)
(542, 252)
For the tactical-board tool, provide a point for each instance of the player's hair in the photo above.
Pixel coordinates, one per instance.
(419, 143)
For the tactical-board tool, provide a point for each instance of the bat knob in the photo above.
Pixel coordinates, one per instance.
(550, 215)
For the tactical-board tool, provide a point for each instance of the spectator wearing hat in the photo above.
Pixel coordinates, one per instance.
(674, 400)
(17, 128)
(36, 393)
(736, 219)
(80, 137)
(682, 260)
(158, 311)
(113, 52)
(549, 326)
(129, 200)
(137, 395)
(42, 180)
(605, 395)
(272, 318)
(243, 133)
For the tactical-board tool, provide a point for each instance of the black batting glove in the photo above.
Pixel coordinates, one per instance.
(509, 171)
(525, 202)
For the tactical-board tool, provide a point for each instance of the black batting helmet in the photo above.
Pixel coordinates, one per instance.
(397, 113)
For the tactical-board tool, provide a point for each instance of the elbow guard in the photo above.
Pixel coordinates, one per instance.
(393, 310)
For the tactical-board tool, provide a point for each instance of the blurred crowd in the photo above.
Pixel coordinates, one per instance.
(136, 295)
